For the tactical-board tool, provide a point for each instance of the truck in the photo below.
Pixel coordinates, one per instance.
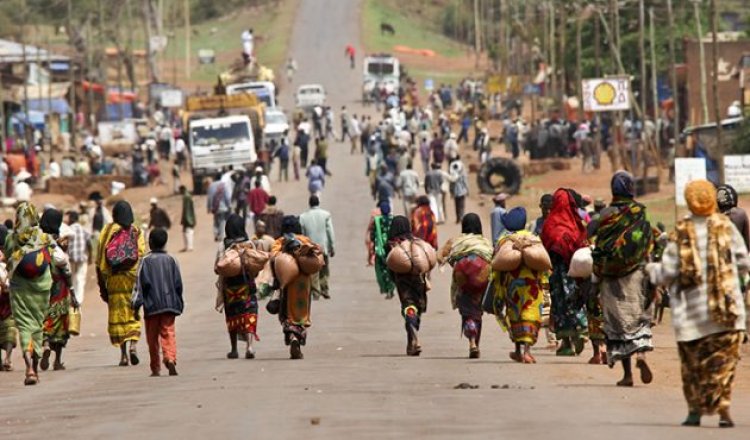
(380, 71)
(223, 131)
(264, 90)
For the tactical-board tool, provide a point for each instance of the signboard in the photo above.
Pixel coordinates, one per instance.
(171, 98)
(117, 131)
(219, 102)
(532, 89)
(687, 169)
(737, 172)
(606, 94)
(429, 85)
(206, 56)
(158, 43)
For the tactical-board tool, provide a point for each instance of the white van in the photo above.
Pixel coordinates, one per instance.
(310, 96)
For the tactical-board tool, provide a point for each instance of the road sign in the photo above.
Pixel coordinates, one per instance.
(687, 169)
(171, 98)
(532, 89)
(606, 94)
(429, 85)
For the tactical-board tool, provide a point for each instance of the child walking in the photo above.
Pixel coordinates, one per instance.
(158, 290)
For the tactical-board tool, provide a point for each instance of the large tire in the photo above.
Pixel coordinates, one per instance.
(500, 175)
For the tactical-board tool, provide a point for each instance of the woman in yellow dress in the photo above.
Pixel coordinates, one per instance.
(520, 292)
(121, 247)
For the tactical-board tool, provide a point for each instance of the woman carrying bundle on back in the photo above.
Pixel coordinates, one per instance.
(521, 267)
(563, 234)
(411, 260)
(624, 242)
(293, 279)
(236, 295)
(470, 255)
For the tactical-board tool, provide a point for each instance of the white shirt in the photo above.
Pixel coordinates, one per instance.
(179, 145)
(247, 43)
(22, 192)
(54, 169)
(305, 127)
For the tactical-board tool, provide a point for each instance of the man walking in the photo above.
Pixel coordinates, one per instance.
(79, 254)
(408, 184)
(317, 224)
(158, 218)
(459, 186)
(218, 202)
(433, 186)
(188, 219)
(496, 216)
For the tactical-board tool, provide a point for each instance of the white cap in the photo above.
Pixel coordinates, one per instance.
(153, 201)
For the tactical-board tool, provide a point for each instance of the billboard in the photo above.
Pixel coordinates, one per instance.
(606, 94)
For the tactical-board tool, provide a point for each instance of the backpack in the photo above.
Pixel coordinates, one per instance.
(121, 253)
(34, 264)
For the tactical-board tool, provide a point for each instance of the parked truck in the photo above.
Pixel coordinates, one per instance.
(223, 131)
(380, 71)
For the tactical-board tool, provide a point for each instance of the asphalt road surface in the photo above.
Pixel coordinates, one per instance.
(355, 381)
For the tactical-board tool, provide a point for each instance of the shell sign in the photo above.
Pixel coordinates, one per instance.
(606, 94)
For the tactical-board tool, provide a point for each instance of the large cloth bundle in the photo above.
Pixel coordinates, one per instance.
(286, 268)
(471, 274)
(624, 240)
(309, 259)
(412, 256)
(582, 264)
(241, 257)
(521, 248)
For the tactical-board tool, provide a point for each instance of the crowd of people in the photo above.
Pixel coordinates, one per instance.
(581, 276)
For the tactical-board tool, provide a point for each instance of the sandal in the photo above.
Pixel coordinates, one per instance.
(59, 367)
(44, 363)
(528, 358)
(31, 379)
(124, 362)
(295, 351)
(625, 383)
(516, 357)
(134, 356)
(171, 367)
(233, 355)
(7, 365)
(646, 376)
(474, 353)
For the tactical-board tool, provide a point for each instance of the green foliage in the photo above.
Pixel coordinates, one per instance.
(741, 140)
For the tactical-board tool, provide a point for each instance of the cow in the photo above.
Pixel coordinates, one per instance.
(387, 28)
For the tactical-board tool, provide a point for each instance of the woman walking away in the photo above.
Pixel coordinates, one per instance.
(412, 289)
(62, 297)
(237, 296)
(121, 247)
(294, 303)
(624, 242)
(28, 250)
(470, 255)
(381, 226)
(8, 330)
(703, 262)
(520, 291)
(563, 233)
(424, 222)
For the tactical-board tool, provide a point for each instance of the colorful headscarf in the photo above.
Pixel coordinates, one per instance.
(623, 185)
(515, 219)
(701, 198)
(27, 235)
(563, 232)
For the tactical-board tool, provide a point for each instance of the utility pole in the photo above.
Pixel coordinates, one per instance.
(702, 55)
(26, 71)
(188, 33)
(673, 71)
(715, 87)
(104, 68)
(563, 31)
(579, 73)
(90, 92)
(642, 53)
(654, 84)
(72, 80)
(552, 49)
(597, 50)
(477, 33)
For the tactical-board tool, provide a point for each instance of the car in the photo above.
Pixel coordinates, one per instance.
(276, 125)
(310, 96)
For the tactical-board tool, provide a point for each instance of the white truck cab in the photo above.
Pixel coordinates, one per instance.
(264, 90)
(218, 143)
(380, 71)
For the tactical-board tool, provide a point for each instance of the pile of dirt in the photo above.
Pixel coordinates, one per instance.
(81, 186)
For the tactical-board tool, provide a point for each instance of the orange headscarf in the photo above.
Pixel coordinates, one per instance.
(701, 198)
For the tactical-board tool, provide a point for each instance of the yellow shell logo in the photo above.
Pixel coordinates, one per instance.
(604, 93)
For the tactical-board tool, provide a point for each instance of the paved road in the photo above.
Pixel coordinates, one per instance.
(355, 380)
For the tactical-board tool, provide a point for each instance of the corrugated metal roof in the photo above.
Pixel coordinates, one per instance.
(12, 52)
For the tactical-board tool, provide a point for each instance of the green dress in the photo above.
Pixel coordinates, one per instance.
(381, 227)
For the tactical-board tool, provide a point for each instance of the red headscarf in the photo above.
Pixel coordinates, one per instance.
(563, 232)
